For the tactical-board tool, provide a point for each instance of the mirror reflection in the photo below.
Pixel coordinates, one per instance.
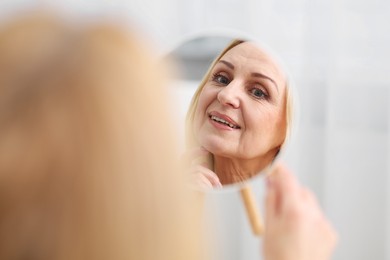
(238, 118)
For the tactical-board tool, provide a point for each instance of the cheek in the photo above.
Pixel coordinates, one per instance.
(266, 124)
(206, 95)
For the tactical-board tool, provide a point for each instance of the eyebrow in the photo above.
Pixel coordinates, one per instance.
(227, 64)
(254, 74)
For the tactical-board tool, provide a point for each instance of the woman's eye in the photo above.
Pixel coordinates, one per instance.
(258, 93)
(221, 79)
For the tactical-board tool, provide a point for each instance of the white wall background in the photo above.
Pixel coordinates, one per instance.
(338, 53)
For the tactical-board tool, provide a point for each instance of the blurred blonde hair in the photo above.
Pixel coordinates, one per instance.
(87, 169)
(190, 135)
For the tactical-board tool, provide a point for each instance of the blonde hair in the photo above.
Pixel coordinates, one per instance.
(190, 135)
(87, 169)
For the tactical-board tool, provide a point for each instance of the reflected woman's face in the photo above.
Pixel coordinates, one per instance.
(241, 111)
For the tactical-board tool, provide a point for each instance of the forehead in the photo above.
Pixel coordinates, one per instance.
(252, 58)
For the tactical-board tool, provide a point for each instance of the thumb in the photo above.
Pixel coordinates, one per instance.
(270, 200)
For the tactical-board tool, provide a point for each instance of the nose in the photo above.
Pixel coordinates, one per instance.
(229, 95)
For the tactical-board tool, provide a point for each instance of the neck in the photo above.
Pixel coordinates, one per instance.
(235, 170)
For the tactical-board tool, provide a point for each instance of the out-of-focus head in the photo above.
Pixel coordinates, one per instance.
(242, 107)
(86, 161)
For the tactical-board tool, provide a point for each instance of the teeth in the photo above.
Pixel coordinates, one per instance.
(220, 120)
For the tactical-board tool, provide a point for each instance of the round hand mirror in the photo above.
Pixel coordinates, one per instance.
(239, 116)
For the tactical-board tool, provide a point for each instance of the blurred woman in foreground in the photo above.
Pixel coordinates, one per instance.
(87, 165)
(85, 172)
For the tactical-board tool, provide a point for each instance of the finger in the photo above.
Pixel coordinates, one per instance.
(285, 185)
(202, 182)
(214, 180)
(282, 178)
(270, 203)
(209, 174)
(309, 197)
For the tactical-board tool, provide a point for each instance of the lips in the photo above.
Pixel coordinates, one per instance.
(223, 119)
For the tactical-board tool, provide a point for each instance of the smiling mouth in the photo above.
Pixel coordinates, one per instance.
(224, 122)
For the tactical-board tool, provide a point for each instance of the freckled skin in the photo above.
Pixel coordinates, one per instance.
(249, 87)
